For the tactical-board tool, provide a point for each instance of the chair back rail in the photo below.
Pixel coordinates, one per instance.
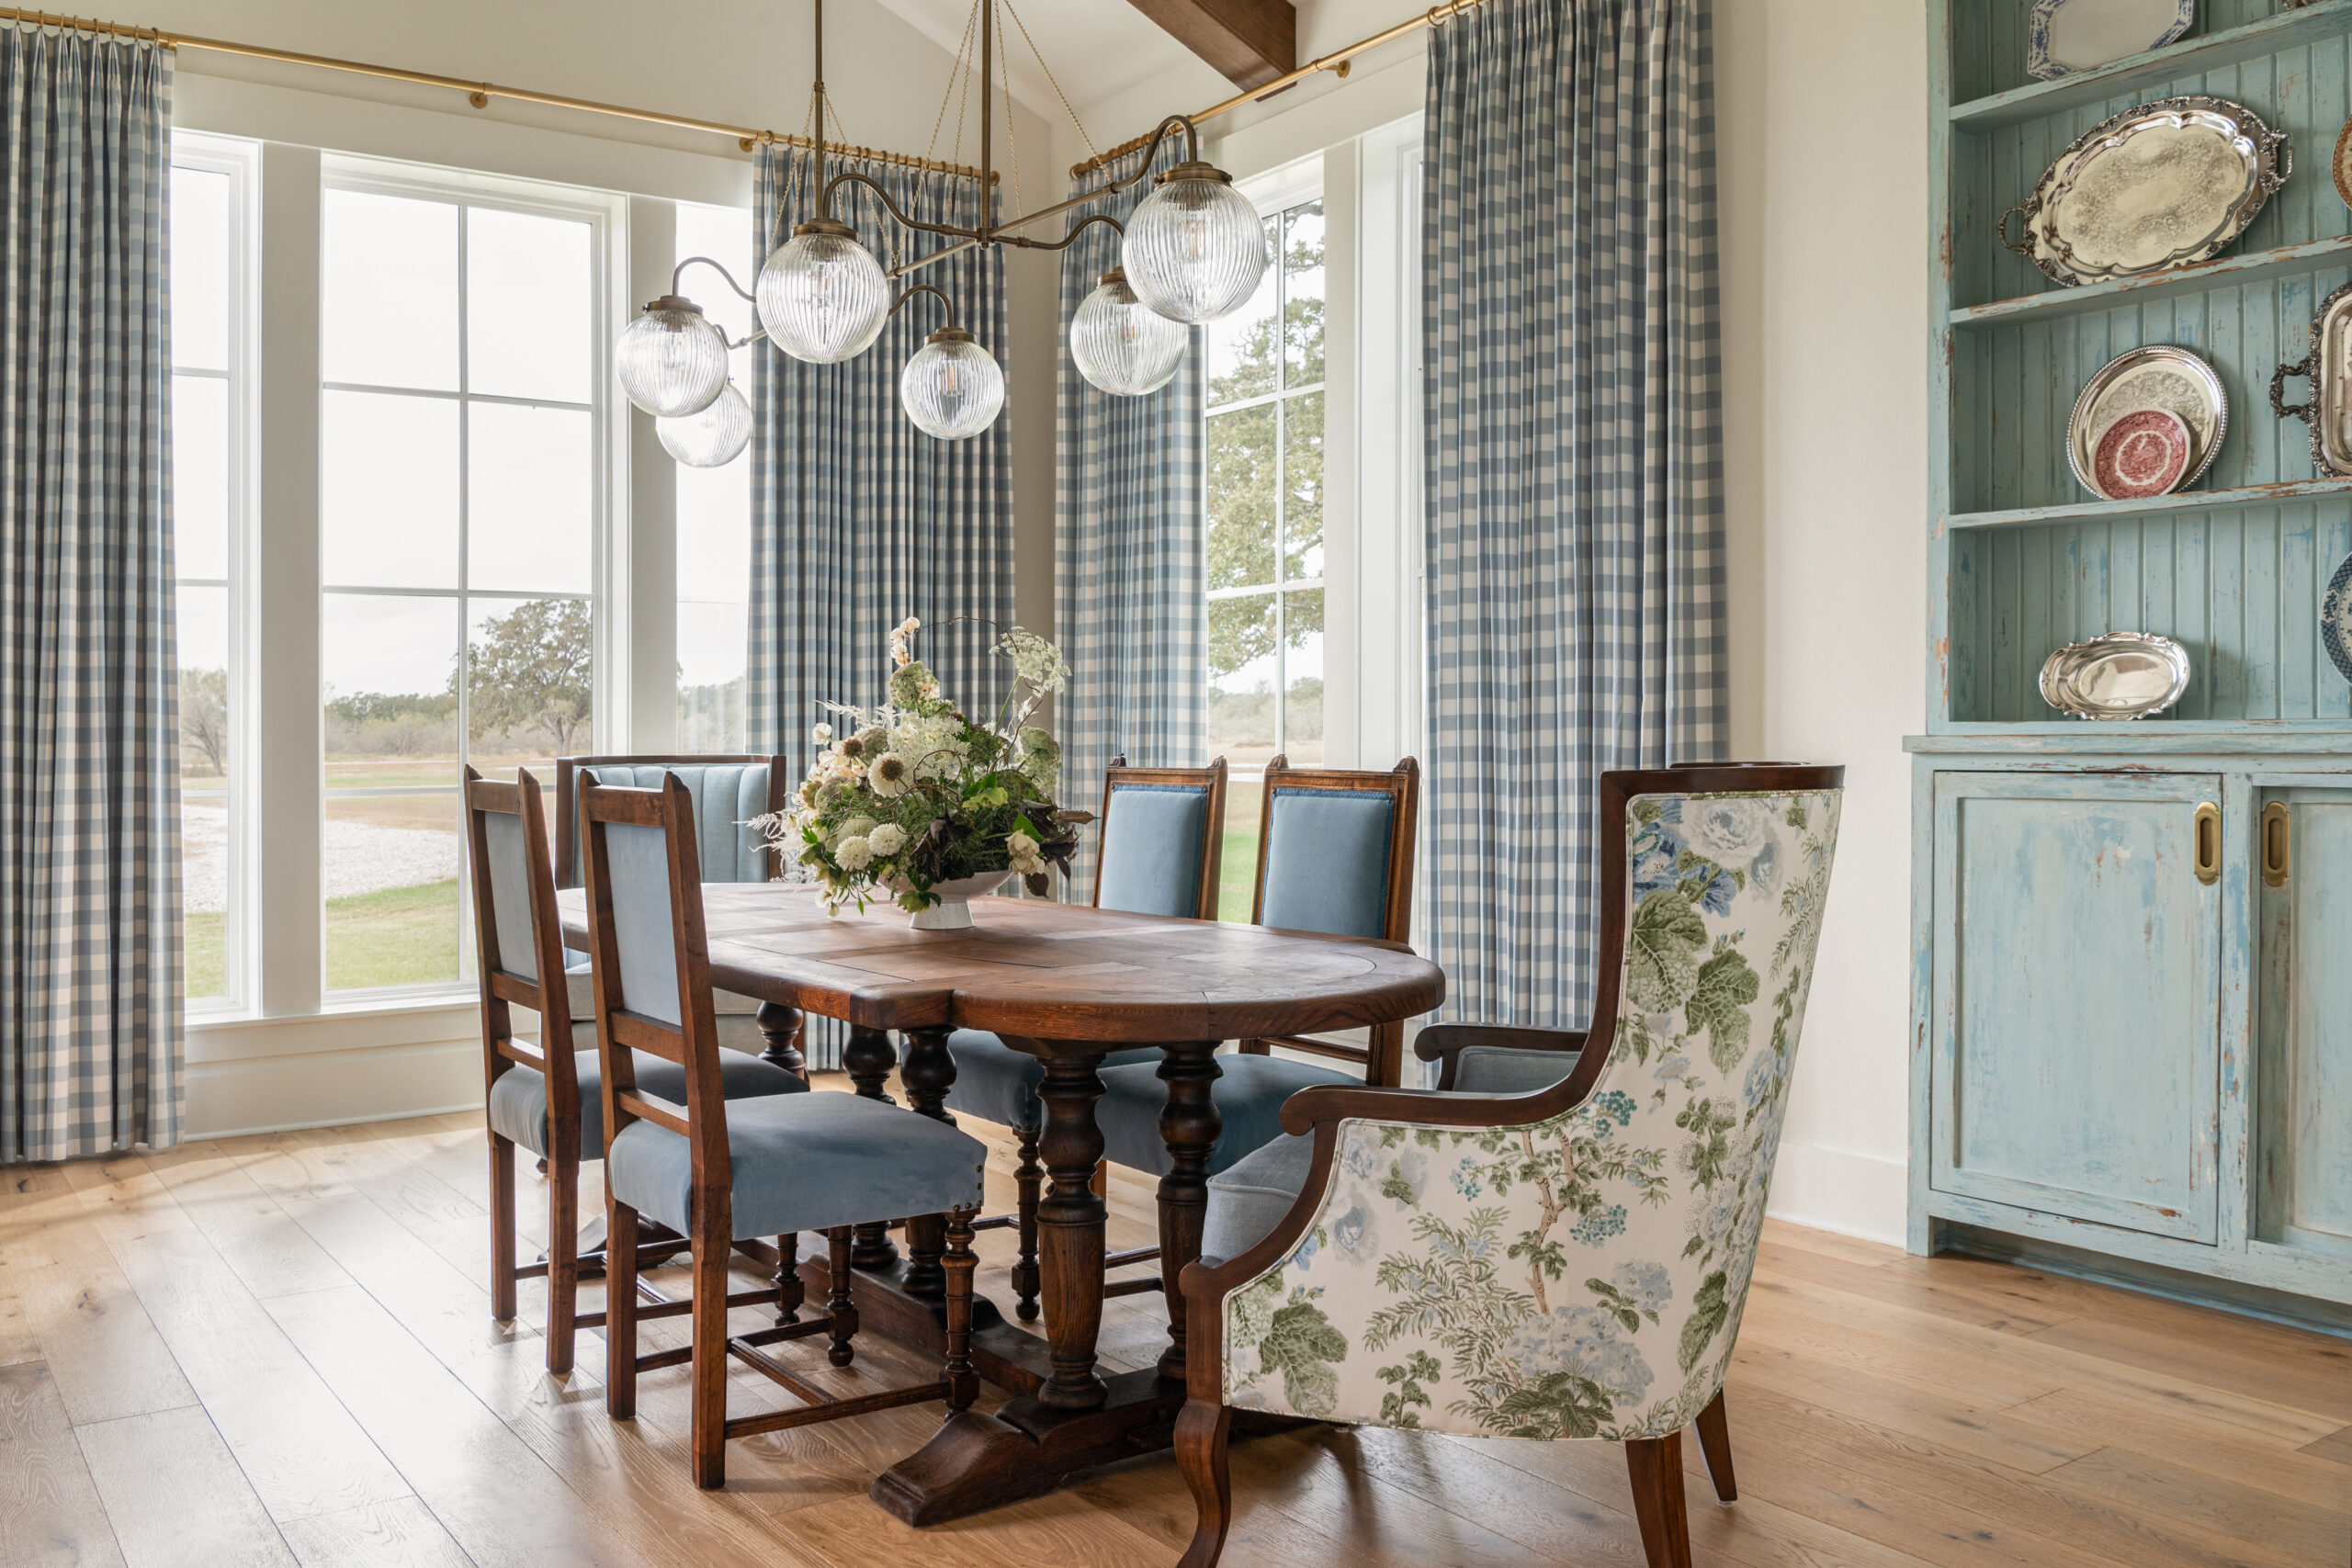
(1211, 782)
(625, 995)
(568, 776)
(514, 814)
(1383, 1058)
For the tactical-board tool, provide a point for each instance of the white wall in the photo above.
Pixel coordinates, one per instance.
(1820, 116)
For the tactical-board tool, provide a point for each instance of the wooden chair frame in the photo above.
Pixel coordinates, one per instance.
(702, 1121)
(1655, 1463)
(1382, 1059)
(1029, 1174)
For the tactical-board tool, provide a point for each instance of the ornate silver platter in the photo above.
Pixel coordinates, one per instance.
(2066, 36)
(2159, 376)
(2120, 675)
(2329, 367)
(2159, 186)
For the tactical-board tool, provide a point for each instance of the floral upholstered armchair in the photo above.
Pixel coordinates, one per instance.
(1567, 1263)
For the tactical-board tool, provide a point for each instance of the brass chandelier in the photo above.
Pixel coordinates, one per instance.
(1192, 252)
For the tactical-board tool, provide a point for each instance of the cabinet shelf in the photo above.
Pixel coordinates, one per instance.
(2181, 504)
(2287, 261)
(2325, 19)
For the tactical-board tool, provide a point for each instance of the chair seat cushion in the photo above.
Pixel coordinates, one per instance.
(518, 1101)
(1498, 1069)
(806, 1162)
(999, 1084)
(578, 979)
(1248, 1201)
(1248, 1096)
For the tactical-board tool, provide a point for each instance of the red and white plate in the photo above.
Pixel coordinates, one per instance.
(2142, 454)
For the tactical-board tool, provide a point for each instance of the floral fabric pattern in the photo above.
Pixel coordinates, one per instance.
(1583, 1276)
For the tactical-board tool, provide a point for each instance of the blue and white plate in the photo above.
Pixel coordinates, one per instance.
(2066, 36)
(2335, 618)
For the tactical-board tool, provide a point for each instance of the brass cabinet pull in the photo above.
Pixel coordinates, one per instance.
(2209, 843)
(2278, 843)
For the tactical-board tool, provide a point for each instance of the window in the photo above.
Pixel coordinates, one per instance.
(1265, 533)
(714, 507)
(462, 489)
(210, 281)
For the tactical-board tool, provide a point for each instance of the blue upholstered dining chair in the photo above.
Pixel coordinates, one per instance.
(546, 1096)
(727, 792)
(1335, 856)
(721, 1171)
(1546, 1257)
(1161, 851)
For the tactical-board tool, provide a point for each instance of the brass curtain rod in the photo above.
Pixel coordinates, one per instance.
(1335, 61)
(477, 93)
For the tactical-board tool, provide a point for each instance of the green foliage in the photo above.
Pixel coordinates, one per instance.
(1706, 1120)
(1718, 1004)
(1708, 1313)
(1396, 1409)
(530, 674)
(1558, 1406)
(204, 720)
(1662, 951)
(1302, 1345)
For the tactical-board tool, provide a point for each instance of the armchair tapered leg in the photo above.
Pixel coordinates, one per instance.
(1029, 1182)
(502, 1228)
(1714, 1442)
(620, 1311)
(1203, 1430)
(563, 1262)
(1656, 1466)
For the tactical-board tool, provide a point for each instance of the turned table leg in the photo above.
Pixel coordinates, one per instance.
(1071, 1224)
(1189, 1125)
(927, 1074)
(868, 1058)
(782, 1026)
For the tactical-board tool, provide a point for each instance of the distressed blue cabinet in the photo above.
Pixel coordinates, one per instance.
(2303, 1019)
(2077, 1000)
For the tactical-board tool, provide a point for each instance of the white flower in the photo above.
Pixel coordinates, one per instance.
(853, 827)
(902, 637)
(888, 775)
(820, 733)
(853, 855)
(1728, 832)
(887, 840)
(1036, 661)
(1022, 851)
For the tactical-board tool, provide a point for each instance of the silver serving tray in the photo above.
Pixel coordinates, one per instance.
(2119, 676)
(2328, 367)
(2159, 376)
(2066, 36)
(2159, 186)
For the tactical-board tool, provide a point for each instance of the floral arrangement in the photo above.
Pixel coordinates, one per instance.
(914, 794)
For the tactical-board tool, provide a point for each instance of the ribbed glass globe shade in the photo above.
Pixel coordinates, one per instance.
(671, 361)
(1123, 346)
(822, 297)
(1194, 248)
(952, 388)
(713, 438)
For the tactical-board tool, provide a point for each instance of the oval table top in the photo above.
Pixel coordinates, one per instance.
(1047, 971)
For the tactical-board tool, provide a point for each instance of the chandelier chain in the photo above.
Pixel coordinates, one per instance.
(1011, 124)
(1083, 134)
(962, 53)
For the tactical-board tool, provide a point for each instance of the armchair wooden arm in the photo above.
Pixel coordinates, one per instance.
(1446, 1042)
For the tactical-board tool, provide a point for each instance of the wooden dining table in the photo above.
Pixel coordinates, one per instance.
(1067, 984)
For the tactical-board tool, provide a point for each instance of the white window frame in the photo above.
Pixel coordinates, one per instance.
(1388, 570)
(240, 160)
(607, 595)
(1274, 193)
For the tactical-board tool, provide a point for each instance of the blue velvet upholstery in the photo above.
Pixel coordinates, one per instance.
(1249, 1198)
(805, 1162)
(1326, 861)
(999, 1084)
(1248, 1099)
(509, 893)
(1153, 836)
(518, 1101)
(726, 795)
(1496, 1069)
(643, 929)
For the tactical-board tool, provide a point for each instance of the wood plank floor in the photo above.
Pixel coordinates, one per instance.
(278, 1351)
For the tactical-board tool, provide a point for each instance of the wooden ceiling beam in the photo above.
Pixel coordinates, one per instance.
(1251, 42)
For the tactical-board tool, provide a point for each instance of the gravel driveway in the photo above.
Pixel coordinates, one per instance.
(360, 858)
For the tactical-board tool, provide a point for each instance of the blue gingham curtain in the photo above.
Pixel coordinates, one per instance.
(90, 979)
(858, 519)
(1574, 466)
(1130, 605)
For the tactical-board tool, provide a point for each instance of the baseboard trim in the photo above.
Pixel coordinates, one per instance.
(1837, 1190)
(330, 1089)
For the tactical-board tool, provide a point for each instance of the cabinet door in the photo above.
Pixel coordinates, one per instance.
(2077, 991)
(2303, 1020)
